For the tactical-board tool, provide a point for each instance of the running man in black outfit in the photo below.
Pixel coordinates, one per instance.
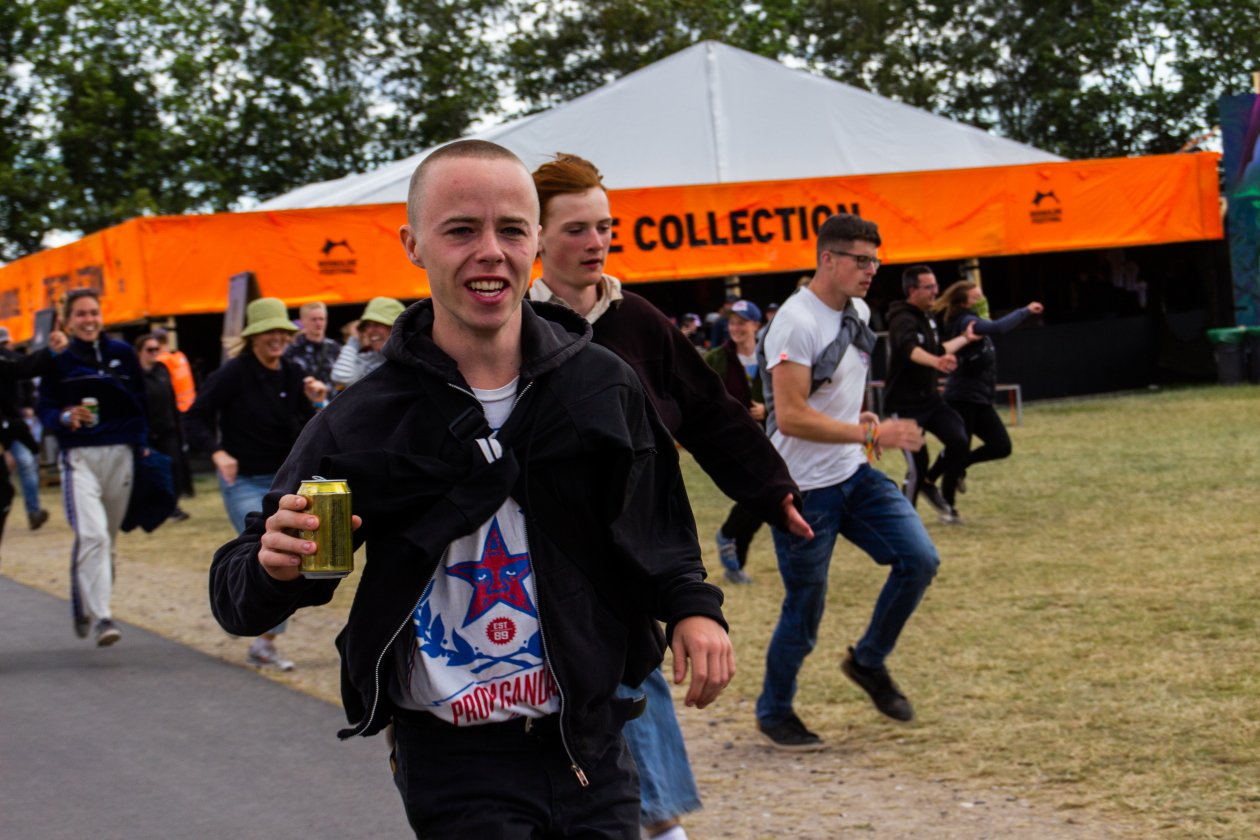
(918, 358)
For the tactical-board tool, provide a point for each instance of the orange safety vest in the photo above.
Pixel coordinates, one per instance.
(181, 378)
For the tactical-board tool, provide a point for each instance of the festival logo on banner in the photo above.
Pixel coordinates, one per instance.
(343, 262)
(1046, 207)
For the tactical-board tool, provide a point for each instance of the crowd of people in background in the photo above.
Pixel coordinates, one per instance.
(761, 411)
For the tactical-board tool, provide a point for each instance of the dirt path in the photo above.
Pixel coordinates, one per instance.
(750, 791)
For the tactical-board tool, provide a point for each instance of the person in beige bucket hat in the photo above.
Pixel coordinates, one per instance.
(267, 314)
(361, 354)
(248, 414)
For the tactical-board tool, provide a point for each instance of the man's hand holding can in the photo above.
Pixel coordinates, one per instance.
(282, 548)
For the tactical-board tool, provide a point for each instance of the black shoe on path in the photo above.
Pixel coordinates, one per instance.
(37, 519)
(792, 735)
(106, 633)
(879, 685)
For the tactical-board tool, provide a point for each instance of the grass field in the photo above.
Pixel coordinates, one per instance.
(1093, 629)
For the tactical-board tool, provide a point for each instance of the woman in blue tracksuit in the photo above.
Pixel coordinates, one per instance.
(969, 389)
(98, 447)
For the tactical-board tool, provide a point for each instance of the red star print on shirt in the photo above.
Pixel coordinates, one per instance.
(497, 578)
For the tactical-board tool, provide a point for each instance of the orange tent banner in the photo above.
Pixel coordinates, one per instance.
(159, 266)
(682, 232)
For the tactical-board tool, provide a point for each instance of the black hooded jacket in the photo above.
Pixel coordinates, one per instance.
(911, 386)
(611, 535)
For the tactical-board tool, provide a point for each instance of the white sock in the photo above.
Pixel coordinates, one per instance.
(675, 833)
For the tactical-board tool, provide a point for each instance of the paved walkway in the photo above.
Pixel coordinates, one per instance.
(149, 740)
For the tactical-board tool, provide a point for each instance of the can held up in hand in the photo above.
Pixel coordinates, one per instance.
(94, 406)
(329, 500)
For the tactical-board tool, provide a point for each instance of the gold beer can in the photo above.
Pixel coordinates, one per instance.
(329, 500)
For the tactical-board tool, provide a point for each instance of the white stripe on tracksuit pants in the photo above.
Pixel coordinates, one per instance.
(96, 486)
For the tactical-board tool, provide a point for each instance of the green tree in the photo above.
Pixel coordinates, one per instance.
(23, 175)
(116, 108)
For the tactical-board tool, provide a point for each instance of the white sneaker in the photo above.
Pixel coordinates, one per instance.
(263, 654)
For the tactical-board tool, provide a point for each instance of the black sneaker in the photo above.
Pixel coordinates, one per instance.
(791, 734)
(934, 497)
(951, 518)
(82, 626)
(880, 686)
(37, 519)
(179, 515)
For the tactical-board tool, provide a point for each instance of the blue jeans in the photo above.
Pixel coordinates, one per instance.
(242, 497)
(869, 511)
(28, 476)
(666, 787)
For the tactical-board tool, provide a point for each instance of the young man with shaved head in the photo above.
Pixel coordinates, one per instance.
(525, 524)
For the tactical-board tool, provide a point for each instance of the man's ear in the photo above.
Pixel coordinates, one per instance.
(410, 245)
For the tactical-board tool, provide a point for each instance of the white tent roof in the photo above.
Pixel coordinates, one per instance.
(714, 114)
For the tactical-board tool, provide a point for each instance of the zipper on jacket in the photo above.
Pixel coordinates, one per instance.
(376, 673)
(519, 394)
(564, 742)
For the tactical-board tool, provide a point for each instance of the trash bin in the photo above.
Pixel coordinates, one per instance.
(1227, 345)
(1251, 344)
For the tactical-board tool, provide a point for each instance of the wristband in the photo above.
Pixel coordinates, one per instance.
(871, 440)
(65, 417)
(320, 405)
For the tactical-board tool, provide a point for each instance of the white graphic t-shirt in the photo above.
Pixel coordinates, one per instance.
(477, 655)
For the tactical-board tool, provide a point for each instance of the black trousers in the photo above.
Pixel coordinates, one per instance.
(171, 444)
(500, 781)
(741, 525)
(982, 421)
(943, 422)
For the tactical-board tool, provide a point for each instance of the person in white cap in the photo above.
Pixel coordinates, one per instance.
(735, 361)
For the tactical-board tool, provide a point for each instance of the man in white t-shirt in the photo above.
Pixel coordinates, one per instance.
(817, 356)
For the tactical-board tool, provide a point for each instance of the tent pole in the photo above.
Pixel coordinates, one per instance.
(970, 270)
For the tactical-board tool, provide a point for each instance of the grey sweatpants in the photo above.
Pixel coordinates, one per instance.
(95, 486)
